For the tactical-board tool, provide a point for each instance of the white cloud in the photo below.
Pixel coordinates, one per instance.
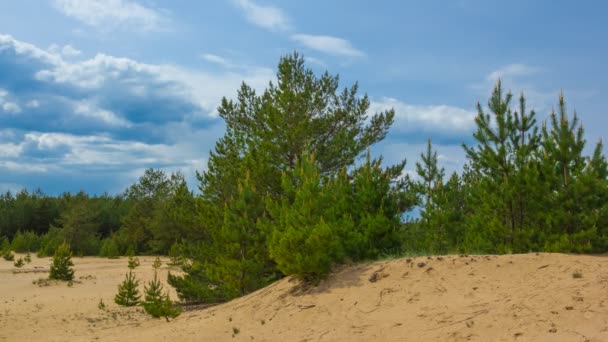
(267, 17)
(32, 104)
(511, 71)
(427, 119)
(10, 150)
(110, 14)
(11, 107)
(327, 44)
(451, 157)
(88, 110)
(69, 50)
(516, 78)
(26, 49)
(217, 60)
(203, 88)
(22, 167)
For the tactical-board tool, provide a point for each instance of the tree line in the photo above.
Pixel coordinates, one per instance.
(293, 189)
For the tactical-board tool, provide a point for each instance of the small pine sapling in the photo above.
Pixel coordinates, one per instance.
(128, 294)
(156, 304)
(28, 258)
(61, 267)
(157, 264)
(133, 262)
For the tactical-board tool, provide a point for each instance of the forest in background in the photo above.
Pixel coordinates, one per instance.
(292, 189)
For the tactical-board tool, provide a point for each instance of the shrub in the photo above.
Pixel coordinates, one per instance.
(19, 263)
(128, 294)
(28, 258)
(61, 267)
(8, 255)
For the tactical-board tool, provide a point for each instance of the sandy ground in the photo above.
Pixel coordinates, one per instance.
(526, 297)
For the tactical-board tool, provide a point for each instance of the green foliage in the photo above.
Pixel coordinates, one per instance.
(146, 215)
(26, 242)
(61, 266)
(79, 225)
(240, 255)
(50, 241)
(128, 293)
(28, 258)
(302, 242)
(8, 255)
(109, 248)
(156, 304)
(4, 244)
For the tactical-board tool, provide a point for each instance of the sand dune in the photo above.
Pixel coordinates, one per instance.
(451, 298)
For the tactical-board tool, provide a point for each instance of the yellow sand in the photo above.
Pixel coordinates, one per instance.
(475, 298)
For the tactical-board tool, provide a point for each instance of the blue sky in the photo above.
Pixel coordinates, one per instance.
(94, 92)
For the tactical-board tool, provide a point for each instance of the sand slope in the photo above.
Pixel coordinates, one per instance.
(452, 298)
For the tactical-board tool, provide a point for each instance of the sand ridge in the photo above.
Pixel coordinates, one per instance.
(527, 297)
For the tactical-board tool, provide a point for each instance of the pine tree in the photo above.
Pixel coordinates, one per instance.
(156, 304)
(503, 164)
(128, 293)
(61, 267)
(265, 135)
(380, 198)
(302, 242)
(430, 186)
(241, 257)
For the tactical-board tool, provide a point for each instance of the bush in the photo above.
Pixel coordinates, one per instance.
(61, 267)
(8, 255)
(19, 263)
(128, 294)
(4, 244)
(156, 304)
(26, 242)
(109, 248)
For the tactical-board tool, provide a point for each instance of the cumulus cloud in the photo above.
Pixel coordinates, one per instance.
(416, 122)
(67, 50)
(109, 14)
(98, 120)
(327, 44)
(267, 17)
